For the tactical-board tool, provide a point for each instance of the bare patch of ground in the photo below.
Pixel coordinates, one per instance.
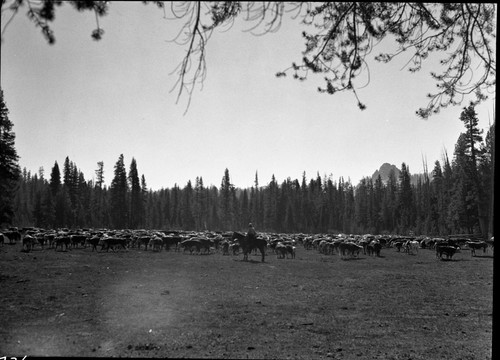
(170, 304)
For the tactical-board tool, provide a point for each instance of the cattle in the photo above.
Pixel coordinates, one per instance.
(13, 236)
(411, 247)
(349, 248)
(491, 243)
(169, 241)
(280, 250)
(191, 245)
(156, 243)
(205, 244)
(290, 249)
(94, 241)
(476, 245)
(28, 242)
(40, 239)
(111, 242)
(143, 240)
(235, 248)
(225, 247)
(374, 247)
(2, 239)
(62, 241)
(77, 239)
(51, 239)
(448, 250)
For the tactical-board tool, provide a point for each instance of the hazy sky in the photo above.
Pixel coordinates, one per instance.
(93, 101)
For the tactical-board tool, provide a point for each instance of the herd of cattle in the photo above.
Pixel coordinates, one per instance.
(282, 245)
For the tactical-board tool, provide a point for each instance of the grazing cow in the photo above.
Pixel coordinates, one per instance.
(205, 244)
(191, 244)
(94, 241)
(235, 248)
(349, 248)
(491, 243)
(280, 250)
(13, 236)
(62, 240)
(111, 242)
(28, 242)
(476, 245)
(374, 247)
(411, 247)
(156, 243)
(448, 250)
(40, 239)
(168, 241)
(78, 239)
(51, 239)
(290, 249)
(143, 240)
(225, 247)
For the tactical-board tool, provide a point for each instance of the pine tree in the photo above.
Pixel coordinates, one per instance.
(118, 192)
(136, 201)
(226, 201)
(55, 179)
(9, 168)
(405, 200)
(474, 153)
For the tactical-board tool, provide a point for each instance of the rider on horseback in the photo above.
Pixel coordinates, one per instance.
(251, 234)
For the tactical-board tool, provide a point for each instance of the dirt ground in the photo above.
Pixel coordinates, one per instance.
(140, 303)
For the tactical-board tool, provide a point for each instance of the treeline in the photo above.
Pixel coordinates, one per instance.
(455, 197)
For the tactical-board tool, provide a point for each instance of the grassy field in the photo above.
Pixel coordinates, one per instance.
(170, 304)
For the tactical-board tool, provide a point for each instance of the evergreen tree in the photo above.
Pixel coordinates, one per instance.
(55, 179)
(226, 202)
(118, 192)
(9, 168)
(473, 153)
(136, 201)
(187, 217)
(405, 200)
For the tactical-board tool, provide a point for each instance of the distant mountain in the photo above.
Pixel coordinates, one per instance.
(385, 169)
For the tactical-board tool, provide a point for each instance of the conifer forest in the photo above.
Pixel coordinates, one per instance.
(455, 196)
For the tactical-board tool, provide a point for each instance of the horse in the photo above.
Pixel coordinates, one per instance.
(248, 244)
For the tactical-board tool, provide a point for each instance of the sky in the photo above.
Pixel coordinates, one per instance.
(92, 101)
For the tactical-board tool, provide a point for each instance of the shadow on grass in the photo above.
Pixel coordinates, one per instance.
(250, 261)
(353, 258)
(484, 256)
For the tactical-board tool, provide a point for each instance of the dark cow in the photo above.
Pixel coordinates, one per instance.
(290, 249)
(191, 245)
(204, 243)
(28, 242)
(111, 242)
(373, 248)
(77, 239)
(143, 240)
(280, 250)
(13, 236)
(349, 248)
(448, 250)
(235, 248)
(62, 241)
(156, 243)
(169, 241)
(476, 245)
(225, 247)
(94, 241)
